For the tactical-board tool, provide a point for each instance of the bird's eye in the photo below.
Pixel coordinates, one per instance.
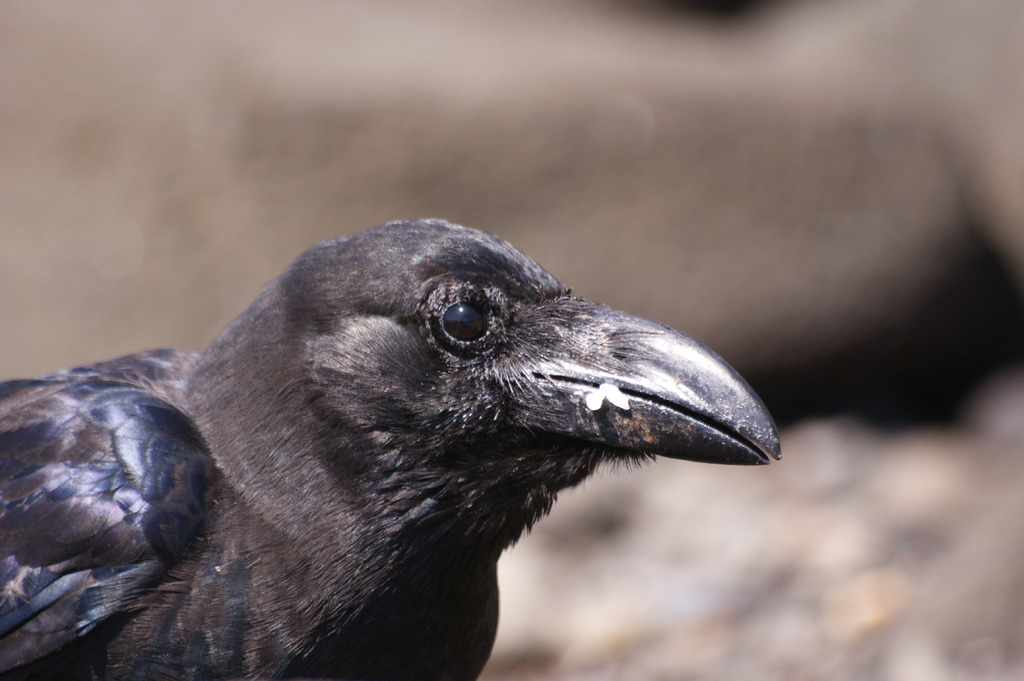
(464, 322)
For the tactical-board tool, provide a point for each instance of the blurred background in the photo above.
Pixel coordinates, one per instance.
(829, 193)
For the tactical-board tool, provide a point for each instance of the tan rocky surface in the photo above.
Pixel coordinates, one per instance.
(864, 555)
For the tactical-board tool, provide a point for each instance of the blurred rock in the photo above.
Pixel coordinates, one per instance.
(864, 603)
(994, 408)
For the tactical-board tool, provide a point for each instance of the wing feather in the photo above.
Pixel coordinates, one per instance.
(103, 486)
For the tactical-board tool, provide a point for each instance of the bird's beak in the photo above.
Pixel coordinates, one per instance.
(643, 387)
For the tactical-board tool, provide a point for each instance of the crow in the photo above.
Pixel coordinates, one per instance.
(326, 489)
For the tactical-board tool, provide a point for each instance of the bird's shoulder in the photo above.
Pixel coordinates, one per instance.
(104, 482)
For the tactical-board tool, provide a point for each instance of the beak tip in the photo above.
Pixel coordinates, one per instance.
(757, 443)
(769, 445)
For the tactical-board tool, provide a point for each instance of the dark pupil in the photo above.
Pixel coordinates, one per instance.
(464, 321)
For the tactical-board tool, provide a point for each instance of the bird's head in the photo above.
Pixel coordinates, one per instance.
(452, 374)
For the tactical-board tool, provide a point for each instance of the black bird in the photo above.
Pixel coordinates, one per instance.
(326, 489)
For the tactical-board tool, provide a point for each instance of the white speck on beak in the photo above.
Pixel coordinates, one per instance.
(606, 391)
(615, 396)
(595, 399)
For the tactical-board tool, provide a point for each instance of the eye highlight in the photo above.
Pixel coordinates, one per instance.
(464, 321)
